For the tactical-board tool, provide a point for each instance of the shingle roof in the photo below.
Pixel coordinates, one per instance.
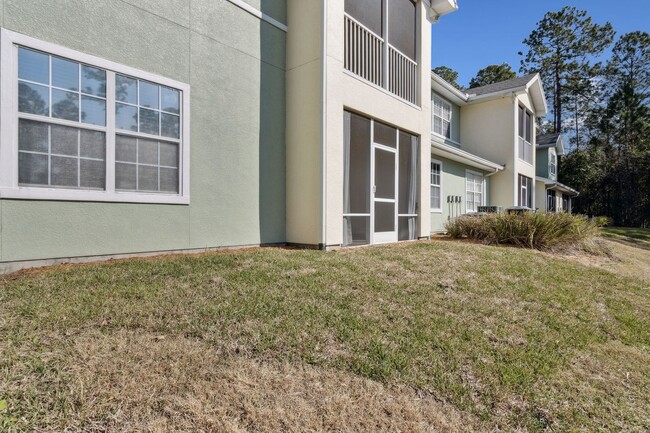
(547, 139)
(501, 86)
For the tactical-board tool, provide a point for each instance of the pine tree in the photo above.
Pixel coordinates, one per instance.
(492, 74)
(561, 49)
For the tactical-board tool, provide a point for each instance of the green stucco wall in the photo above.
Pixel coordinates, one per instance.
(453, 183)
(541, 163)
(235, 65)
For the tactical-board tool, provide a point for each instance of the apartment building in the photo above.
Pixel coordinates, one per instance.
(130, 127)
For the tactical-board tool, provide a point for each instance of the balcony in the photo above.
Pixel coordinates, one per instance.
(372, 58)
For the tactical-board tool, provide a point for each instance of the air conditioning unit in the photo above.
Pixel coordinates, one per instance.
(490, 209)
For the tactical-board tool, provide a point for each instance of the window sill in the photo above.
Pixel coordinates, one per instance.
(444, 139)
(436, 211)
(56, 194)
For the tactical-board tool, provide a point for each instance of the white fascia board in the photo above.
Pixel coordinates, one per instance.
(551, 184)
(447, 90)
(458, 155)
(538, 95)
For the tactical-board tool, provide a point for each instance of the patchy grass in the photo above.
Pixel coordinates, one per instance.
(427, 336)
(637, 237)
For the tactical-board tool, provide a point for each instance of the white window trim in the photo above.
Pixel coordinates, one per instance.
(530, 187)
(433, 115)
(9, 187)
(552, 163)
(483, 188)
(433, 209)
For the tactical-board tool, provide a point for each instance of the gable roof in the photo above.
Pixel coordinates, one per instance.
(545, 139)
(502, 86)
(531, 84)
(551, 140)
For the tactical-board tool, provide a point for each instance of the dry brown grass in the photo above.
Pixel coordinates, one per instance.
(623, 259)
(140, 382)
(428, 336)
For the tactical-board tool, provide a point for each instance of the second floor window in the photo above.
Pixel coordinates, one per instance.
(553, 164)
(525, 131)
(441, 117)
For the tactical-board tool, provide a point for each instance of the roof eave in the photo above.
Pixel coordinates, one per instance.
(465, 157)
(440, 85)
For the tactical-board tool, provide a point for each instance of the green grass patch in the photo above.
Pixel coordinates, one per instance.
(493, 332)
(639, 237)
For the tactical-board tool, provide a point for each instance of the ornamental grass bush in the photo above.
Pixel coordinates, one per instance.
(542, 231)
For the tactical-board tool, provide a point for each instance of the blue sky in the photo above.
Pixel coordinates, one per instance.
(484, 32)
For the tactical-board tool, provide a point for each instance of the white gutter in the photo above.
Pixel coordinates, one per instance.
(554, 184)
(465, 157)
(323, 127)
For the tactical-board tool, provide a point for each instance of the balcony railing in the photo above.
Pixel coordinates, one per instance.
(525, 151)
(371, 58)
(402, 76)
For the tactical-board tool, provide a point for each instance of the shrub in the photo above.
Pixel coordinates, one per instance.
(602, 221)
(544, 231)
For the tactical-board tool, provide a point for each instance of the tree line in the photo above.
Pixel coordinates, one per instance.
(601, 106)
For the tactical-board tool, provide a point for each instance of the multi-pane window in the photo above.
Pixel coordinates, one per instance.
(59, 88)
(553, 164)
(525, 191)
(551, 200)
(441, 117)
(61, 156)
(525, 131)
(106, 131)
(146, 107)
(142, 164)
(436, 185)
(475, 191)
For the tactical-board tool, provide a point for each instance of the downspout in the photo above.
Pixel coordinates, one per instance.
(323, 136)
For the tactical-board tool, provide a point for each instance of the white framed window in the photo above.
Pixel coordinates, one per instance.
(441, 114)
(552, 165)
(78, 127)
(525, 132)
(475, 190)
(525, 191)
(436, 185)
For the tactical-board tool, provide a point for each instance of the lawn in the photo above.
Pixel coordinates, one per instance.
(427, 336)
(634, 236)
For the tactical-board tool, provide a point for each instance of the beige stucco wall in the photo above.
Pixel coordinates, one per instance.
(521, 166)
(488, 131)
(540, 196)
(304, 108)
(316, 112)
